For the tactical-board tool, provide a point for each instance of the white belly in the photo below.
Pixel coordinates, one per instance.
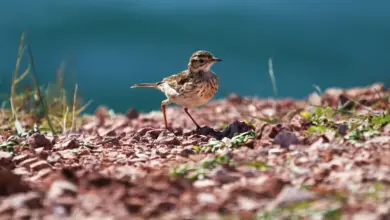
(191, 98)
(191, 101)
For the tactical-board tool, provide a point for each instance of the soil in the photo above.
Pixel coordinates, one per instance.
(125, 166)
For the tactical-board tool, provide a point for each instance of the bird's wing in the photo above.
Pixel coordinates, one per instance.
(177, 80)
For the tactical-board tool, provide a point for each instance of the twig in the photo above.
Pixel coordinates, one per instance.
(41, 98)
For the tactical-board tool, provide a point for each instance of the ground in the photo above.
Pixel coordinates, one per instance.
(327, 157)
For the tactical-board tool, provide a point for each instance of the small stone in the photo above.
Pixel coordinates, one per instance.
(5, 158)
(110, 133)
(53, 158)
(330, 135)
(11, 183)
(61, 188)
(364, 215)
(21, 171)
(39, 150)
(234, 98)
(386, 129)
(291, 195)
(247, 204)
(23, 213)
(169, 140)
(70, 144)
(41, 174)
(296, 121)
(379, 140)
(314, 99)
(19, 158)
(335, 92)
(84, 152)
(206, 198)
(28, 162)
(24, 200)
(342, 129)
(187, 151)
(101, 114)
(154, 133)
(132, 114)
(39, 165)
(68, 154)
(276, 151)
(204, 183)
(237, 127)
(189, 142)
(286, 138)
(223, 176)
(39, 140)
(142, 131)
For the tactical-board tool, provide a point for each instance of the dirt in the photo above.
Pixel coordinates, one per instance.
(123, 166)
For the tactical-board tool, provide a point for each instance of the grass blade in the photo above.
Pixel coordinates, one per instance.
(318, 89)
(272, 75)
(40, 96)
(78, 112)
(18, 125)
(65, 120)
(74, 107)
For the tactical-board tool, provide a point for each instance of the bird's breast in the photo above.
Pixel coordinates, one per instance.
(208, 88)
(194, 93)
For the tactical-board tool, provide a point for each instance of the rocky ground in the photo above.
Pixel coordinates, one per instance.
(324, 158)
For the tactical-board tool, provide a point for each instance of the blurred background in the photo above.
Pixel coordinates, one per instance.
(108, 46)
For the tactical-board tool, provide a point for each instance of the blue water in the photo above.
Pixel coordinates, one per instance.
(110, 45)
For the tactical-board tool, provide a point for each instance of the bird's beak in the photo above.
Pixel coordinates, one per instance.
(216, 59)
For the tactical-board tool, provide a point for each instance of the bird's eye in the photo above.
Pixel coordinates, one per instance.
(201, 61)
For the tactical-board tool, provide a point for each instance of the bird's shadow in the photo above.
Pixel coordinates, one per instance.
(237, 127)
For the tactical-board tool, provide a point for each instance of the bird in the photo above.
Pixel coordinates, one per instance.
(193, 87)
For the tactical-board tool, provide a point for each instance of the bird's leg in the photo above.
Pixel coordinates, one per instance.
(197, 126)
(163, 104)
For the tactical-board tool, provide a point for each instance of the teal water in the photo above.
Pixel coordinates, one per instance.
(110, 45)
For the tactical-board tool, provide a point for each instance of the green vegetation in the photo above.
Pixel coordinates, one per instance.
(11, 142)
(48, 108)
(235, 142)
(201, 170)
(360, 126)
(8, 146)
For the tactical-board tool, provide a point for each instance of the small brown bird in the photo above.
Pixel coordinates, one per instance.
(192, 87)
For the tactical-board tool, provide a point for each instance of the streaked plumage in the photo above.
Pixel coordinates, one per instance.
(191, 88)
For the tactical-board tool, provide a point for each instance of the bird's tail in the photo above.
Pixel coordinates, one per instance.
(145, 85)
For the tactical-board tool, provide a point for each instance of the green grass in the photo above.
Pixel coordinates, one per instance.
(361, 127)
(235, 142)
(49, 106)
(200, 171)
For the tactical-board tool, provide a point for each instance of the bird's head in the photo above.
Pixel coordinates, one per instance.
(201, 61)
